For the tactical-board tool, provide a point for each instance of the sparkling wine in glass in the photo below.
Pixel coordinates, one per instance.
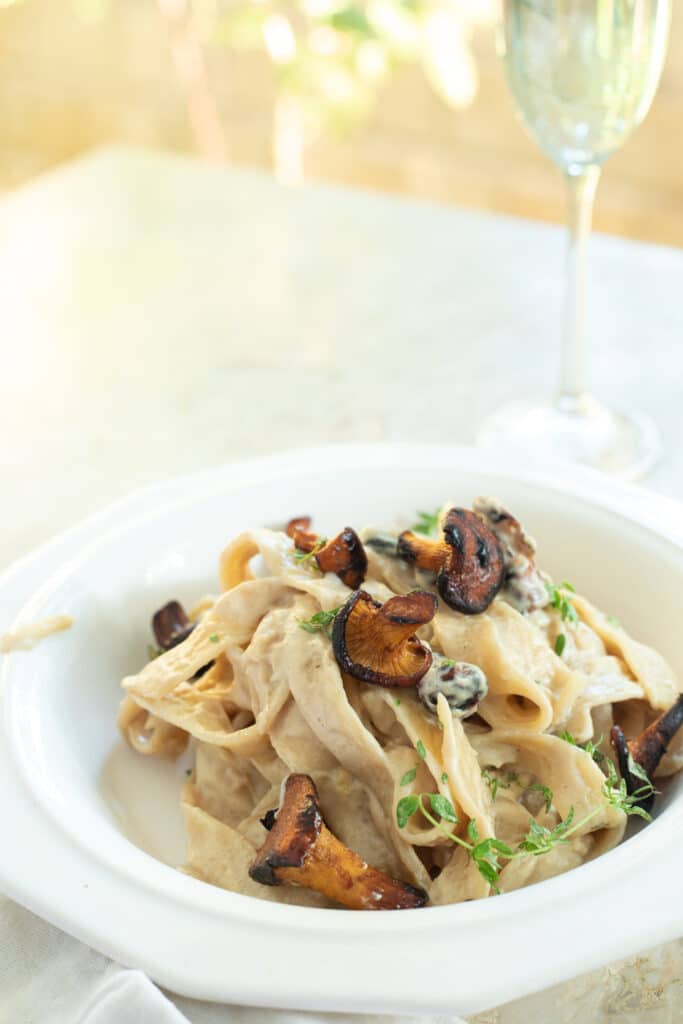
(583, 74)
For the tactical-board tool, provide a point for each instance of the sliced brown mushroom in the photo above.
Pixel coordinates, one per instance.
(462, 684)
(301, 850)
(299, 529)
(468, 562)
(524, 586)
(376, 643)
(343, 555)
(171, 625)
(646, 750)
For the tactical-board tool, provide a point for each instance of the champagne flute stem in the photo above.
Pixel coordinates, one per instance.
(581, 186)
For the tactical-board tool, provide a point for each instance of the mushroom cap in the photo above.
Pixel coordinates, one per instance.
(474, 570)
(299, 529)
(301, 850)
(171, 625)
(647, 750)
(344, 555)
(469, 561)
(376, 643)
(294, 830)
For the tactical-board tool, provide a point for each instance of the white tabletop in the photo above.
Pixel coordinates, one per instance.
(159, 315)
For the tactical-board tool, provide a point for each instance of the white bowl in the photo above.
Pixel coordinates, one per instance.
(90, 829)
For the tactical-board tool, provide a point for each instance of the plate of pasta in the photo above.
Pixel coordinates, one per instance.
(346, 714)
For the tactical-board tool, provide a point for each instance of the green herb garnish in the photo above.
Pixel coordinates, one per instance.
(613, 621)
(409, 777)
(560, 644)
(321, 622)
(615, 792)
(560, 600)
(214, 638)
(421, 752)
(307, 558)
(444, 777)
(538, 787)
(495, 782)
(427, 523)
(153, 652)
(614, 788)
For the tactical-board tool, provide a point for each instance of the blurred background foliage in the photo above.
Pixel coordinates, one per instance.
(400, 95)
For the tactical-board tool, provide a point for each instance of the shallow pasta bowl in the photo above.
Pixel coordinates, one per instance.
(91, 831)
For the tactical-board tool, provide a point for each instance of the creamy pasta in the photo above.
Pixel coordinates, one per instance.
(471, 755)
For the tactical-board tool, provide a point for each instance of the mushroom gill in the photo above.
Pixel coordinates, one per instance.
(376, 643)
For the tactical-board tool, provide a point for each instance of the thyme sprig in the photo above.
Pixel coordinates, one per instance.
(560, 599)
(321, 622)
(307, 558)
(486, 854)
(614, 788)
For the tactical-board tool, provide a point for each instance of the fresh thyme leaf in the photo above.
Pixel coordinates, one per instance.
(494, 782)
(320, 622)
(397, 702)
(593, 749)
(590, 747)
(540, 840)
(427, 523)
(472, 830)
(638, 771)
(546, 791)
(307, 558)
(562, 602)
(409, 777)
(421, 752)
(443, 807)
(487, 870)
(444, 777)
(614, 621)
(214, 638)
(560, 644)
(405, 809)
(153, 652)
(615, 792)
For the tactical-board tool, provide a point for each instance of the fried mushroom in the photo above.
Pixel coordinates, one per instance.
(462, 684)
(376, 642)
(171, 625)
(301, 850)
(646, 751)
(524, 586)
(468, 561)
(343, 555)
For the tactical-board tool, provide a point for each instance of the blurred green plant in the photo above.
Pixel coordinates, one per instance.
(334, 54)
(330, 57)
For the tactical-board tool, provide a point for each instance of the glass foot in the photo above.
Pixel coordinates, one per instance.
(576, 430)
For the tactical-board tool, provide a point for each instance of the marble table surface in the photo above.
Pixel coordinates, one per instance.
(160, 315)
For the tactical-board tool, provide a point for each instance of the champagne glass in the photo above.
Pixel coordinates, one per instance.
(583, 74)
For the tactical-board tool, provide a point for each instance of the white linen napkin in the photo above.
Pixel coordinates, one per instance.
(46, 977)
